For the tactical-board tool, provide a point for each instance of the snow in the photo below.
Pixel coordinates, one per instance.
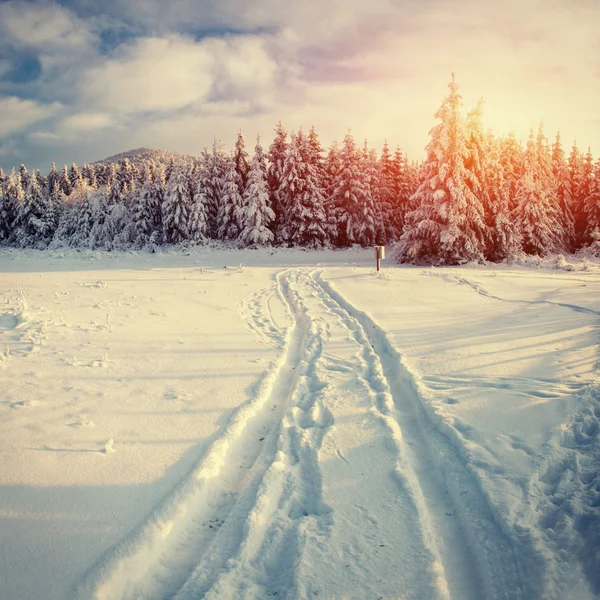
(225, 424)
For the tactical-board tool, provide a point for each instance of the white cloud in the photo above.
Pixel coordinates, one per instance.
(86, 122)
(151, 74)
(18, 114)
(47, 27)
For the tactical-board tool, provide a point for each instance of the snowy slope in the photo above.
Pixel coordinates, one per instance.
(179, 425)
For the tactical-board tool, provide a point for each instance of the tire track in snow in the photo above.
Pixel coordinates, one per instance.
(440, 478)
(156, 562)
(262, 544)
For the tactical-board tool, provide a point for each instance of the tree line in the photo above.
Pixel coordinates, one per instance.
(474, 197)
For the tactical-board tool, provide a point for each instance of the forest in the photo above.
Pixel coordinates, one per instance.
(474, 197)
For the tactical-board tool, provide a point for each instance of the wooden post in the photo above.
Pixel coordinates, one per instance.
(379, 254)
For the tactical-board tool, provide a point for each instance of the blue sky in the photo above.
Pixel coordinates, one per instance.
(82, 79)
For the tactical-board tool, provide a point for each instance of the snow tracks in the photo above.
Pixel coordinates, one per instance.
(331, 482)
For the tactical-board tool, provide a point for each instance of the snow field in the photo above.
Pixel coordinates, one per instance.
(177, 429)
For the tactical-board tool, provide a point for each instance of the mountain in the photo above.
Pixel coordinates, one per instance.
(139, 156)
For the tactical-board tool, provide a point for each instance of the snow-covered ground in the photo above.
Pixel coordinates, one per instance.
(180, 426)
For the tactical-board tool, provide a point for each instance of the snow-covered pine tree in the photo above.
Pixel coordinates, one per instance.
(560, 171)
(3, 177)
(387, 197)
(230, 203)
(240, 157)
(53, 179)
(579, 192)
(213, 180)
(34, 225)
(24, 176)
(64, 182)
(355, 207)
(276, 157)
(146, 214)
(304, 219)
(88, 173)
(405, 183)
(125, 177)
(537, 214)
(592, 208)
(198, 225)
(332, 166)
(176, 206)
(490, 187)
(504, 240)
(447, 225)
(375, 213)
(255, 214)
(11, 200)
(81, 199)
(511, 159)
(75, 178)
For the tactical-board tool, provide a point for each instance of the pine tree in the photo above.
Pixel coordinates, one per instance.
(11, 200)
(255, 214)
(75, 178)
(53, 179)
(377, 225)
(277, 152)
(64, 182)
(34, 224)
(332, 167)
(3, 177)
(560, 171)
(511, 159)
(240, 157)
(537, 214)
(125, 177)
(24, 177)
(176, 207)
(302, 202)
(200, 207)
(88, 175)
(447, 225)
(387, 196)
(230, 203)
(147, 213)
(83, 217)
(579, 192)
(592, 208)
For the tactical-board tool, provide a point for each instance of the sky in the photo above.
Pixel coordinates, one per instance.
(81, 80)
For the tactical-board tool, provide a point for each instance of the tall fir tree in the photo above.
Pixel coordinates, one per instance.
(277, 153)
(176, 206)
(11, 200)
(230, 203)
(560, 171)
(579, 191)
(537, 213)
(255, 214)
(75, 178)
(64, 182)
(34, 224)
(304, 219)
(592, 208)
(447, 225)
(199, 214)
(240, 157)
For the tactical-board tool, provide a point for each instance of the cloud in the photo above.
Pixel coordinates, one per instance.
(150, 74)
(18, 114)
(45, 27)
(86, 122)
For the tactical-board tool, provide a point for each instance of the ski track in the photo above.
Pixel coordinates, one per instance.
(506, 567)
(483, 292)
(158, 560)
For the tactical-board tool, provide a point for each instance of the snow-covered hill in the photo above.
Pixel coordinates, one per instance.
(140, 156)
(182, 425)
